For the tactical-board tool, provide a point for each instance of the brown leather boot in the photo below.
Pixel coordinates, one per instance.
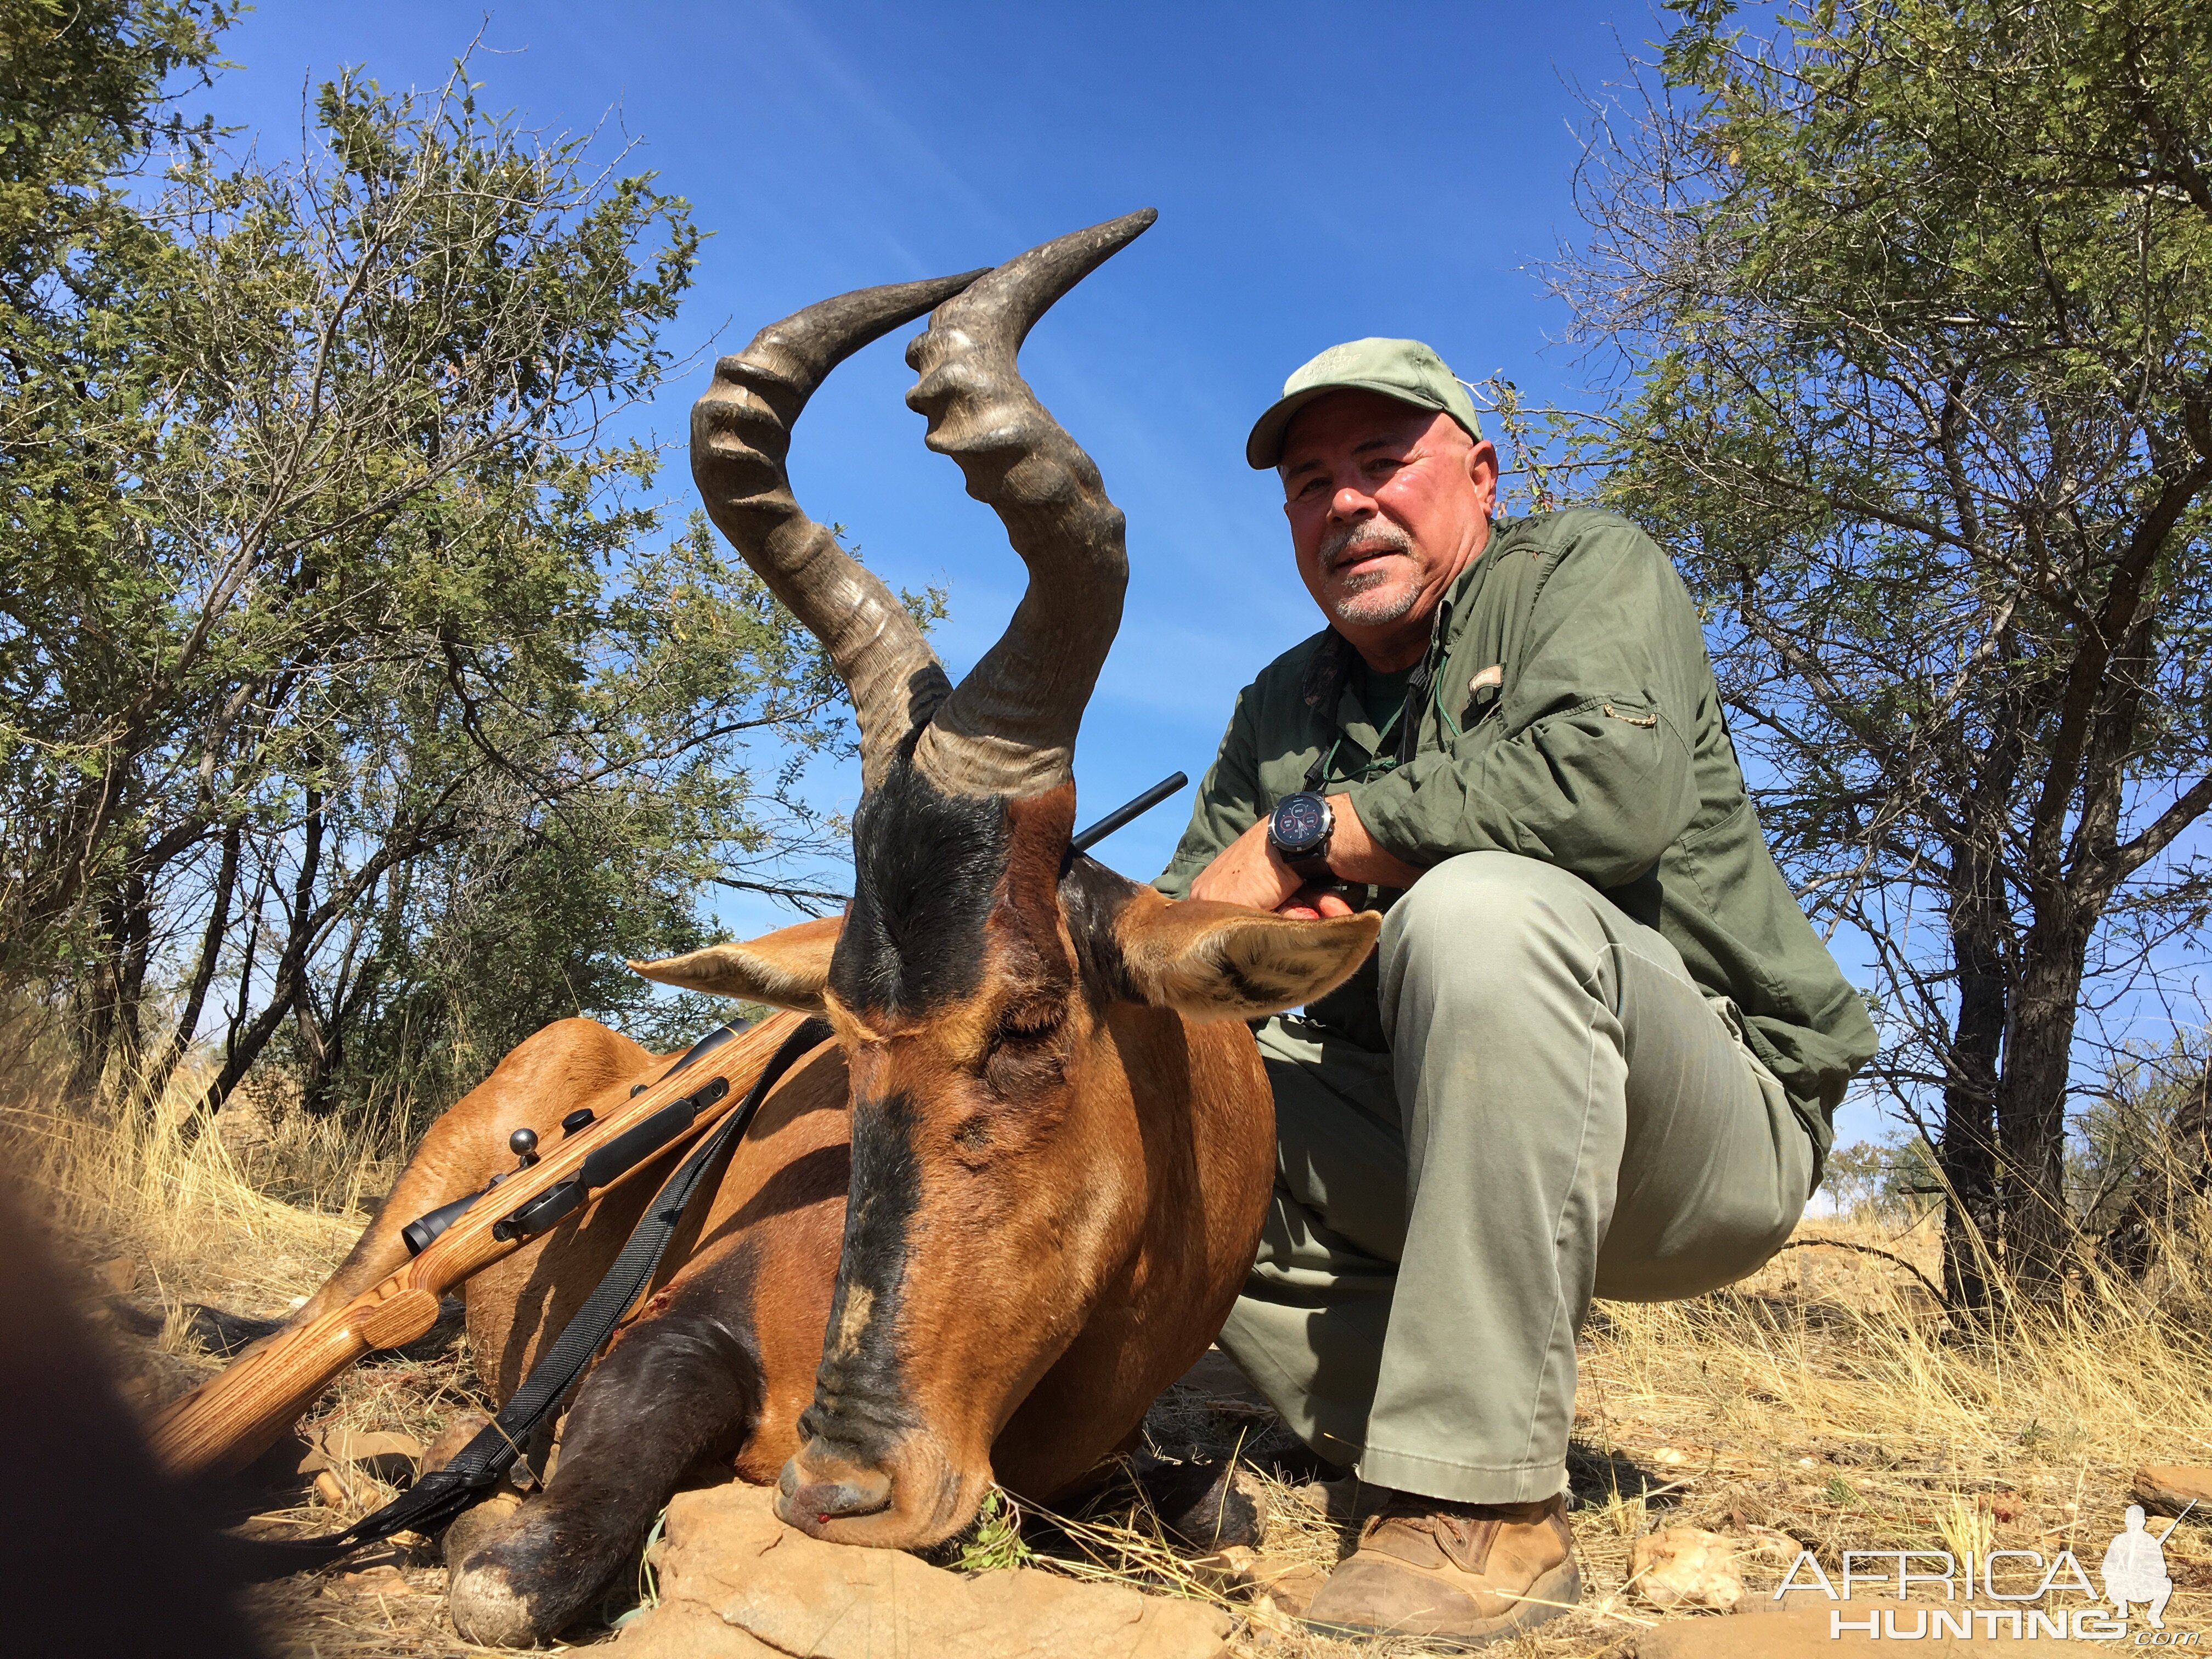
(1468, 1573)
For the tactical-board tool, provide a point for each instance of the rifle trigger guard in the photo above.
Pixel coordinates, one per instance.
(544, 1211)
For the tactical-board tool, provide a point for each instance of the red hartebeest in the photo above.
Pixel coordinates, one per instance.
(974, 1236)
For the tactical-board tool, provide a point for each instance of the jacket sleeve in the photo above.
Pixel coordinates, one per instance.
(1586, 762)
(1229, 802)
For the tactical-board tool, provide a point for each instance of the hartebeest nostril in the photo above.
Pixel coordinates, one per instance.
(813, 1503)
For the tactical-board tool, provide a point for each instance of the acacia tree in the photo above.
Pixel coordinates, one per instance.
(1913, 299)
(338, 702)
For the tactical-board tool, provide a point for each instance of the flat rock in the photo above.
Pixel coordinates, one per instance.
(737, 1583)
(2170, 1488)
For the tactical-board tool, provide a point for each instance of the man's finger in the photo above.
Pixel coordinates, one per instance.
(1332, 904)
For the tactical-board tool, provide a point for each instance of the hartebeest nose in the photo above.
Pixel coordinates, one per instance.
(808, 1505)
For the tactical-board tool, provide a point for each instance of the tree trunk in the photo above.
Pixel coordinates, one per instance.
(1966, 1154)
(204, 970)
(2031, 1101)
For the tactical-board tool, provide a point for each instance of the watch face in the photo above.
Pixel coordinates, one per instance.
(1300, 822)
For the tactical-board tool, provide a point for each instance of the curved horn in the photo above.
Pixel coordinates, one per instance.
(1009, 727)
(740, 436)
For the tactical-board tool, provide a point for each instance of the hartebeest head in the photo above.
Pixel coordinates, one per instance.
(973, 981)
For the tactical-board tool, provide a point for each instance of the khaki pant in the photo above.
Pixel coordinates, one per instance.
(1562, 1112)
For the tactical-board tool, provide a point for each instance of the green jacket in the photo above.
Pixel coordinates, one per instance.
(1596, 742)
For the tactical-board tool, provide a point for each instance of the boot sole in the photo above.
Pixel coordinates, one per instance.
(1556, 1592)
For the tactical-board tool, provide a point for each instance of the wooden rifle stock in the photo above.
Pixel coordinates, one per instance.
(233, 1416)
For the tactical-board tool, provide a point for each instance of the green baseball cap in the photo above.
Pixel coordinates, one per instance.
(1404, 369)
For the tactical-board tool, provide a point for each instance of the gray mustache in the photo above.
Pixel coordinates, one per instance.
(1375, 536)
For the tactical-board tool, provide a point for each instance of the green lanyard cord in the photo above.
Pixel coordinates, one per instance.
(1319, 775)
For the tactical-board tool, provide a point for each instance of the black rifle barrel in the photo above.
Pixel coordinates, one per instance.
(1121, 815)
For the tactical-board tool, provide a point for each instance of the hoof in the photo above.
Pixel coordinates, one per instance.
(1206, 1506)
(480, 1593)
(525, 1573)
(486, 1609)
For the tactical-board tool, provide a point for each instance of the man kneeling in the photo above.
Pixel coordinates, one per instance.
(1598, 1046)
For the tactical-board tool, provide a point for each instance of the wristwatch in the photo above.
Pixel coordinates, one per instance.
(1299, 829)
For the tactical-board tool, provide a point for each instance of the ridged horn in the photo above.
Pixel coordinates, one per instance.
(1009, 727)
(740, 437)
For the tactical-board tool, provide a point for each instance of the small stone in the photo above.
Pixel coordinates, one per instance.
(120, 1275)
(1227, 1571)
(1768, 1545)
(377, 1581)
(1289, 1586)
(1668, 1457)
(328, 1492)
(1687, 1567)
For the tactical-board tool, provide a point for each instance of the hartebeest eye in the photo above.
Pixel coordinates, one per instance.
(1029, 1022)
(1022, 1058)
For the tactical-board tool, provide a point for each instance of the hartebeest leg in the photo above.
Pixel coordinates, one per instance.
(685, 1380)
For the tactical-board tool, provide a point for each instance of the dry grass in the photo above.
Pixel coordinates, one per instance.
(1824, 1400)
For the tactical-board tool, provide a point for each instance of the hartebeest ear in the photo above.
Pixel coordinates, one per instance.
(1223, 962)
(786, 969)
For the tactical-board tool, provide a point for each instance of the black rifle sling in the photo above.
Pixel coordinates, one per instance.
(439, 1496)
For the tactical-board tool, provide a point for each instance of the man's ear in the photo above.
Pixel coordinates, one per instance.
(786, 969)
(1209, 961)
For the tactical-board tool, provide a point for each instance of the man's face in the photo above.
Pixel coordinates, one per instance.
(1387, 503)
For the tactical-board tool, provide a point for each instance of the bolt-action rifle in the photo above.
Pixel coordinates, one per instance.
(235, 1416)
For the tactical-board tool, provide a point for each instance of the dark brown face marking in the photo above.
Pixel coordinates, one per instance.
(859, 1394)
(955, 990)
(925, 871)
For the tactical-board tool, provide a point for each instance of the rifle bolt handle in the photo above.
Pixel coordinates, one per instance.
(523, 1143)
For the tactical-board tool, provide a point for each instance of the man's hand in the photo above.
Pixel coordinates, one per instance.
(1249, 871)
